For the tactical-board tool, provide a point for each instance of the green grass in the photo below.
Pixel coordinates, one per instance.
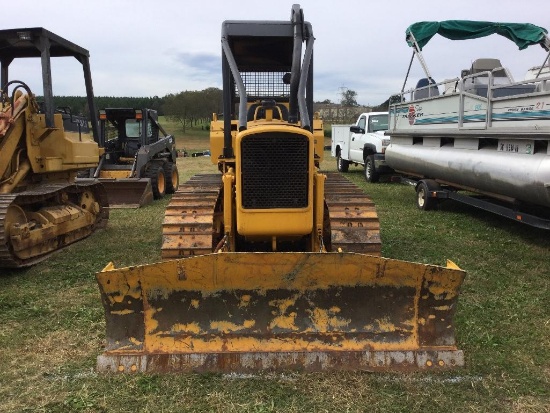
(195, 139)
(52, 325)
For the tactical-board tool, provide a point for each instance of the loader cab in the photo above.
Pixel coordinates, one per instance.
(123, 131)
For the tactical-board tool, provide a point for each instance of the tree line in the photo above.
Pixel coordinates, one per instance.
(187, 107)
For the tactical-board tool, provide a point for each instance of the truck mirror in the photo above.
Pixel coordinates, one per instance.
(356, 129)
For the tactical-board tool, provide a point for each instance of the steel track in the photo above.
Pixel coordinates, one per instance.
(38, 196)
(189, 226)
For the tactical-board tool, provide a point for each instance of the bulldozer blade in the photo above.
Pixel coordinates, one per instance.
(250, 312)
(128, 192)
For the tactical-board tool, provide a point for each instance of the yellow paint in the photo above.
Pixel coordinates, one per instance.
(452, 265)
(114, 174)
(122, 312)
(385, 326)
(300, 271)
(228, 327)
(192, 328)
(195, 303)
(282, 318)
(135, 341)
(286, 322)
(214, 342)
(324, 320)
(245, 301)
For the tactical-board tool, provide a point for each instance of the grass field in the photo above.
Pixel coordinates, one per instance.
(52, 325)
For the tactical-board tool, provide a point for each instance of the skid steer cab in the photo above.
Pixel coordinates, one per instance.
(272, 264)
(139, 163)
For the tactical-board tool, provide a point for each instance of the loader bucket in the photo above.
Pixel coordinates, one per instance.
(250, 312)
(128, 192)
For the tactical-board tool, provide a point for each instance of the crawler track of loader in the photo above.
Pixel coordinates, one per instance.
(189, 226)
(33, 199)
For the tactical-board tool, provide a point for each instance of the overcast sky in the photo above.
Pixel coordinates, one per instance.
(156, 47)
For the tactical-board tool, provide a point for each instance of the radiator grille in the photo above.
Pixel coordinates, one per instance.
(274, 171)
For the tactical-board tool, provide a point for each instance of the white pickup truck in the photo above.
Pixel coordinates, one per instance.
(362, 144)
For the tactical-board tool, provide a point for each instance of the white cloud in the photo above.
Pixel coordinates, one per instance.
(144, 48)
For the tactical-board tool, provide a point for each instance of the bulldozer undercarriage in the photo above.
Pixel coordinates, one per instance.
(40, 221)
(192, 220)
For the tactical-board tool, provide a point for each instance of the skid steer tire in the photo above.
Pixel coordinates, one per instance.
(172, 177)
(155, 172)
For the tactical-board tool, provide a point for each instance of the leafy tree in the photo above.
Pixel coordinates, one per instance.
(348, 104)
(190, 107)
(349, 98)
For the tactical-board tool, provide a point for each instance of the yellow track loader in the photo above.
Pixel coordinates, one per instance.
(271, 264)
(41, 150)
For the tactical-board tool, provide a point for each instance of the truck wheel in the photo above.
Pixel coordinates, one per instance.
(341, 164)
(155, 172)
(371, 174)
(424, 200)
(172, 177)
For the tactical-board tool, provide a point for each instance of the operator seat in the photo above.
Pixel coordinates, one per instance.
(422, 90)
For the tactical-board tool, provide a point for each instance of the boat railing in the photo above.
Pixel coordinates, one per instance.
(493, 89)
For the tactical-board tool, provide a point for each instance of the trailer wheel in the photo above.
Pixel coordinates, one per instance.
(155, 172)
(424, 200)
(341, 164)
(371, 174)
(172, 177)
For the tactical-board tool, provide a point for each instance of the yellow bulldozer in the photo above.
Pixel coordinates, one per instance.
(42, 148)
(272, 264)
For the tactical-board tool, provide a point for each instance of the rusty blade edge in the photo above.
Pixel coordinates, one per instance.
(254, 362)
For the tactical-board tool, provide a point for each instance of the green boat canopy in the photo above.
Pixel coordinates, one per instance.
(522, 34)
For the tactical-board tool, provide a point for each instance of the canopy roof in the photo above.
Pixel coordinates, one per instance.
(522, 34)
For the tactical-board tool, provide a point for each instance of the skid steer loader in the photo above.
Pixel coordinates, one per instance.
(42, 148)
(139, 164)
(271, 264)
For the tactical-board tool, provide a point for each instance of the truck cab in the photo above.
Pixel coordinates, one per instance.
(363, 143)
